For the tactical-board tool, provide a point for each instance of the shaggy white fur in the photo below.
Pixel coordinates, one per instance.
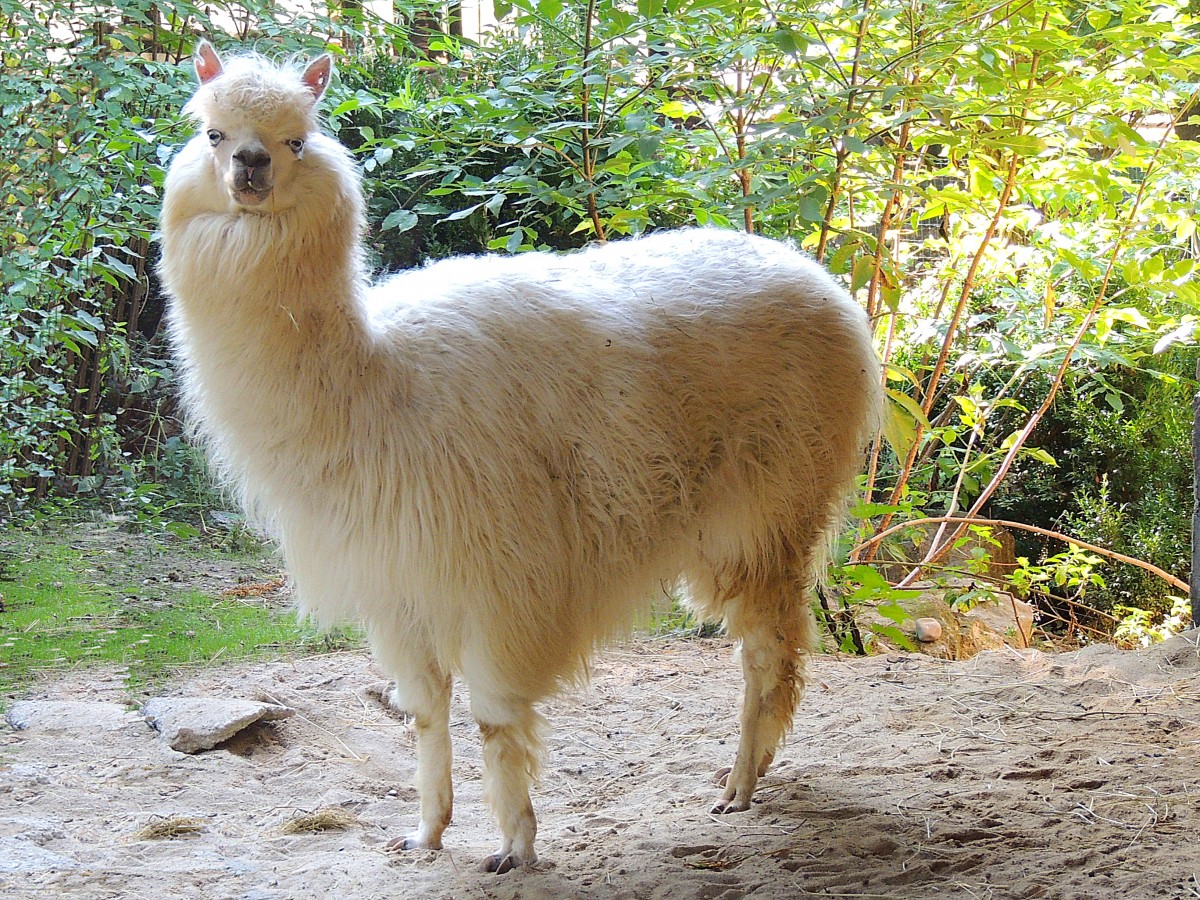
(497, 462)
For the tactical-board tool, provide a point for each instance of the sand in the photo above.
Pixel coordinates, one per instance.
(1013, 774)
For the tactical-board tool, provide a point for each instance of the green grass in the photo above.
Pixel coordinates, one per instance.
(81, 589)
(60, 612)
(678, 620)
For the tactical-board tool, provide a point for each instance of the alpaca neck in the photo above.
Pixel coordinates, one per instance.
(269, 318)
(285, 281)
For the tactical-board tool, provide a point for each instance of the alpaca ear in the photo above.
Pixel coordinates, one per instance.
(208, 64)
(316, 76)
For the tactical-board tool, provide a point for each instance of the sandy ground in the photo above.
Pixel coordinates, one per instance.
(1015, 774)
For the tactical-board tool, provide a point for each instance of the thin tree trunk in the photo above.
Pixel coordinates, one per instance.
(587, 153)
(1195, 579)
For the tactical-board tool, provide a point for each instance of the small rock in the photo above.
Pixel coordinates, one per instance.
(928, 629)
(194, 724)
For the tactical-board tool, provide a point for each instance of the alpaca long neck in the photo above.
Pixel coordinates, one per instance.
(287, 279)
(270, 321)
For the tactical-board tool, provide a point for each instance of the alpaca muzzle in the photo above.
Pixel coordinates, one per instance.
(251, 177)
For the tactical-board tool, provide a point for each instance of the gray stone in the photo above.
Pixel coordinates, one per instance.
(928, 629)
(69, 715)
(193, 724)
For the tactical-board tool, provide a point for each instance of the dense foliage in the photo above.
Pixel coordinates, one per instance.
(1002, 185)
(90, 98)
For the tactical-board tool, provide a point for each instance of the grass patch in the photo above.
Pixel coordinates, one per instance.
(677, 620)
(62, 606)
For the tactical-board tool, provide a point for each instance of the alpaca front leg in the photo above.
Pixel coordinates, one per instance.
(512, 747)
(427, 697)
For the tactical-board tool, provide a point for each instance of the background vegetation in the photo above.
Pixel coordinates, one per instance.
(1010, 189)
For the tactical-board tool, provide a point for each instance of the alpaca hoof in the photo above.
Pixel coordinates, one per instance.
(735, 798)
(499, 863)
(732, 806)
(411, 842)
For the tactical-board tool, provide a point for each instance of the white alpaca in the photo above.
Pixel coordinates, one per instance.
(496, 462)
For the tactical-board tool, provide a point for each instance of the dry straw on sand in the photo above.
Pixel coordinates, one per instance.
(325, 819)
(162, 827)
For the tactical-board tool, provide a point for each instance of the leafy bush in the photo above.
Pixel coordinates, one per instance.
(998, 185)
(91, 98)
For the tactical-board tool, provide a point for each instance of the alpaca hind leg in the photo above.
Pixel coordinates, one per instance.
(512, 748)
(774, 638)
(427, 697)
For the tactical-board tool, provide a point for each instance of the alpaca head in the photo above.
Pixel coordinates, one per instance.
(256, 119)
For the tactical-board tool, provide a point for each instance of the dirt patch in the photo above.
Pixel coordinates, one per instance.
(1015, 774)
(158, 566)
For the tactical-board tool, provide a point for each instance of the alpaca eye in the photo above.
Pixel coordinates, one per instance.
(215, 137)
(296, 144)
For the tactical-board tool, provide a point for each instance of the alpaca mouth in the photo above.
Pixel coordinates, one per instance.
(248, 196)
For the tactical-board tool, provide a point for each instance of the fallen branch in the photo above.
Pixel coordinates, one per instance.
(1045, 532)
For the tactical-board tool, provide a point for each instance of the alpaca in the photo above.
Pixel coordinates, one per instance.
(495, 463)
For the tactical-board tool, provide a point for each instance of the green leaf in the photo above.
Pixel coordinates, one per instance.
(1184, 334)
(893, 611)
(1040, 455)
(93, 322)
(853, 144)
(459, 214)
(895, 635)
(674, 109)
(900, 373)
(1087, 268)
(901, 417)
(811, 207)
(123, 268)
(867, 576)
(648, 144)
(182, 530)
(863, 510)
(793, 43)
(864, 268)
(400, 219)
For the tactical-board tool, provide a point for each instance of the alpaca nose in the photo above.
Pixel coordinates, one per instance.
(252, 168)
(253, 157)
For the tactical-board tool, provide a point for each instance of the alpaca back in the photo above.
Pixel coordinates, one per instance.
(590, 426)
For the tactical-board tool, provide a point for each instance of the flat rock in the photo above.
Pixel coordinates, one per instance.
(68, 715)
(194, 724)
